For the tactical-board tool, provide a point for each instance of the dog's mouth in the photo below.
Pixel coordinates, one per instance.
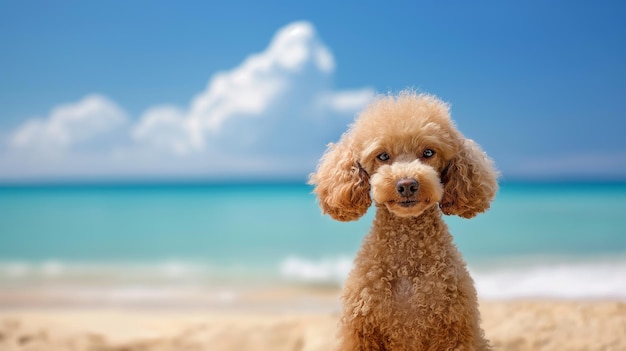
(408, 207)
(407, 203)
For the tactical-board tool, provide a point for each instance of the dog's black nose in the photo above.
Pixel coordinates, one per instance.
(407, 187)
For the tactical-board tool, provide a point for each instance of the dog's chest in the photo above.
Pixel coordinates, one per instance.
(403, 290)
(416, 274)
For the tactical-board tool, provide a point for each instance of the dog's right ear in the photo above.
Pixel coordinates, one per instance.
(341, 184)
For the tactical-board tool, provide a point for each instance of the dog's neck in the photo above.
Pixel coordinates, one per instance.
(428, 223)
(397, 239)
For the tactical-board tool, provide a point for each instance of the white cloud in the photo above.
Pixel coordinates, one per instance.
(276, 95)
(348, 101)
(164, 127)
(69, 124)
(273, 113)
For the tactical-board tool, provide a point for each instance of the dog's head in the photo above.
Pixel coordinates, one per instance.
(404, 153)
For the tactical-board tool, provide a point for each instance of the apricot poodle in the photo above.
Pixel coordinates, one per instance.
(409, 288)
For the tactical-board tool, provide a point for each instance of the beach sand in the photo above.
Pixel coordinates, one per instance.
(510, 325)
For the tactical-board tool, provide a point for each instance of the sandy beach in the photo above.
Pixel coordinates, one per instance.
(510, 325)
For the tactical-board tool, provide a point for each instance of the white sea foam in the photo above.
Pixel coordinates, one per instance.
(52, 269)
(503, 279)
(571, 280)
(63, 271)
(14, 269)
(324, 271)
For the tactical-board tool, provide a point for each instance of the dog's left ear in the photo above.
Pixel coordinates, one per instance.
(470, 182)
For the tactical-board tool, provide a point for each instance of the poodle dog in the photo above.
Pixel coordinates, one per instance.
(409, 288)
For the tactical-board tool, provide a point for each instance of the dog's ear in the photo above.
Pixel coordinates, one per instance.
(470, 182)
(341, 184)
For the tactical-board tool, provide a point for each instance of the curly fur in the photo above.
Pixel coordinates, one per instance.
(409, 288)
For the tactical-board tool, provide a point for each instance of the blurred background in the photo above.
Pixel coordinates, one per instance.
(156, 153)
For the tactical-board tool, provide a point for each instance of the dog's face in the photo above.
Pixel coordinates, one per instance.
(404, 153)
(406, 147)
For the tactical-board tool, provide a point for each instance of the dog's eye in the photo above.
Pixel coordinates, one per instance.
(428, 153)
(383, 156)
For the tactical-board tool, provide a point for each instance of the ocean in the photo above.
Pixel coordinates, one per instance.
(124, 243)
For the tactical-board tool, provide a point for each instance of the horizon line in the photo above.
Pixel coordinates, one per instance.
(253, 181)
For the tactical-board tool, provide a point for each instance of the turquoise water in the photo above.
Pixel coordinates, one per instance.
(221, 224)
(578, 220)
(217, 232)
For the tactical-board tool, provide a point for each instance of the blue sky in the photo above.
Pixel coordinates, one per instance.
(158, 89)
